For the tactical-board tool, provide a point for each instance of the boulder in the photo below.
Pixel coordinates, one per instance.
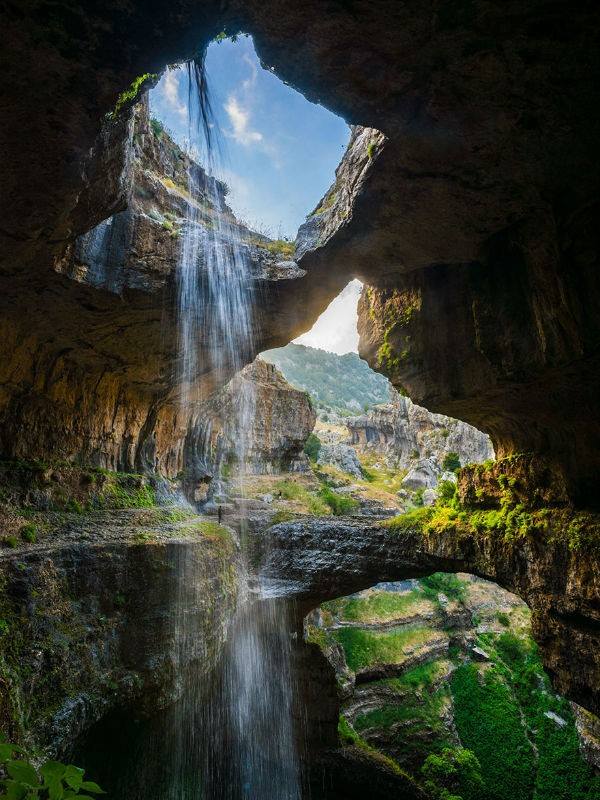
(342, 456)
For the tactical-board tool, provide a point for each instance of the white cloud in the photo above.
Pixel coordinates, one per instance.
(240, 123)
(335, 330)
(170, 92)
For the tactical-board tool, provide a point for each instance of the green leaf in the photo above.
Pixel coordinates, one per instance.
(7, 750)
(22, 771)
(90, 786)
(14, 790)
(55, 788)
(73, 776)
(53, 770)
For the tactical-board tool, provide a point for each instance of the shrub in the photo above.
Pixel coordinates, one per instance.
(10, 541)
(52, 781)
(453, 770)
(446, 491)
(338, 503)
(312, 447)
(451, 462)
(445, 583)
(157, 126)
(503, 618)
(29, 534)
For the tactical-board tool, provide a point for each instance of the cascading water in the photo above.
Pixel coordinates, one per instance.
(248, 740)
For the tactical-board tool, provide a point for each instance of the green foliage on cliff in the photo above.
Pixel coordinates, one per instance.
(52, 781)
(444, 583)
(130, 95)
(364, 648)
(454, 773)
(344, 384)
(378, 606)
(339, 504)
(451, 462)
(501, 716)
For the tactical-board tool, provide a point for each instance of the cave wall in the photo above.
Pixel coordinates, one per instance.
(482, 200)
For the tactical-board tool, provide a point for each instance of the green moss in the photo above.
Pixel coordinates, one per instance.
(350, 738)
(131, 94)
(10, 541)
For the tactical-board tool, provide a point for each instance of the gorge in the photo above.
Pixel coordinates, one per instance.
(183, 530)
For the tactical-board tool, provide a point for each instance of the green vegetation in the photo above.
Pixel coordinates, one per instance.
(350, 738)
(312, 447)
(580, 529)
(157, 127)
(503, 618)
(296, 492)
(451, 462)
(339, 504)
(377, 606)
(281, 247)
(325, 205)
(501, 715)
(130, 95)
(10, 541)
(29, 533)
(52, 781)
(371, 150)
(342, 384)
(363, 648)
(282, 516)
(454, 773)
(444, 583)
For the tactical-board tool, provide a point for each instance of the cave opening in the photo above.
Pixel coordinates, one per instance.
(441, 675)
(472, 226)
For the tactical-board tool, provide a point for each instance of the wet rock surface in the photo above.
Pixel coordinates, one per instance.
(110, 611)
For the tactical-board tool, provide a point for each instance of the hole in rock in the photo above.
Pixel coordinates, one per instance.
(275, 151)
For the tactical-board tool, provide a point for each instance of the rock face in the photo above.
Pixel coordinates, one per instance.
(403, 433)
(93, 620)
(341, 456)
(257, 422)
(475, 215)
(426, 665)
(323, 560)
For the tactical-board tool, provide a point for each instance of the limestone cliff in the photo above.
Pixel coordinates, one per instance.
(92, 617)
(257, 423)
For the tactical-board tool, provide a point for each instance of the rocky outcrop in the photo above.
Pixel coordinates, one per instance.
(341, 456)
(109, 611)
(403, 433)
(322, 560)
(257, 423)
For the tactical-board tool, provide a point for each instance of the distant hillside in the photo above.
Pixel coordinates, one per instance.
(345, 384)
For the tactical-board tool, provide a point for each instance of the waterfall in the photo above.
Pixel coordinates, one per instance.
(245, 727)
(214, 279)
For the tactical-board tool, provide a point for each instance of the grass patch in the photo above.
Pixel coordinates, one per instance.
(339, 504)
(378, 606)
(364, 648)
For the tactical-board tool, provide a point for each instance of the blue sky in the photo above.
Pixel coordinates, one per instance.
(280, 151)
